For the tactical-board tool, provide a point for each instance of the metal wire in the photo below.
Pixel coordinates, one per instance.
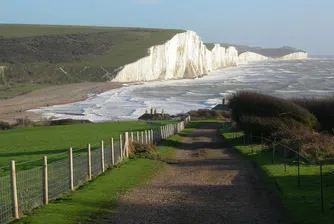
(58, 178)
(29, 189)
(96, 162)
(80, 171)
(6, 207)
(117, 152)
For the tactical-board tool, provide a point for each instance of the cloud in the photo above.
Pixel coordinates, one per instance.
(148, 1)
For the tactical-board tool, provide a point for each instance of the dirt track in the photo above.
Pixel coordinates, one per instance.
(209, 184)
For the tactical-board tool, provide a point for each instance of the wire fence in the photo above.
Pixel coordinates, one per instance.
(311, 179)
(21, 192)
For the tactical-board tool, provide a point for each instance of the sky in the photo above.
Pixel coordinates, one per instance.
(304, 24)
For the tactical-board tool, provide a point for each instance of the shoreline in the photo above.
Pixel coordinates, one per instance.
(16, 107)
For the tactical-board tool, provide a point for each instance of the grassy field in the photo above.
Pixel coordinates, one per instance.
(46, 54)
(100, 196)
(302, 203)
(9, 92)
(30, 144)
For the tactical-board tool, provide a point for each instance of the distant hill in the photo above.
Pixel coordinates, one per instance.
(49, 54)
(268, 52)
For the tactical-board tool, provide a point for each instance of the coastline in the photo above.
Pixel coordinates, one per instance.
(14, 108)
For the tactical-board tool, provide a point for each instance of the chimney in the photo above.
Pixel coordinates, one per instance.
(162, 112)
(146, 111)
(151, 110)
(224, 101)
(155, 111)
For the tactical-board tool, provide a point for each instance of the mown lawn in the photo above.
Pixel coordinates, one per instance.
(100, 195)
(302, 204)
(30, 144)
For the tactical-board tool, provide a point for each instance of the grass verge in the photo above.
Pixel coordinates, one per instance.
(100, 195)
(302, 204)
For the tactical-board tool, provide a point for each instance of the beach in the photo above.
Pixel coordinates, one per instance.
(14, 108)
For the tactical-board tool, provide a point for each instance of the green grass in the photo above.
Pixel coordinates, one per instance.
(10, 92)
(29, 144)
(302, 203)
(100, 195)
(107, 47)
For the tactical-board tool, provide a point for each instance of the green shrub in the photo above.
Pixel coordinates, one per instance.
(5, 125)
(266, 126)
(203, 114)
(313, 145)
(323, 110)
(246, 103)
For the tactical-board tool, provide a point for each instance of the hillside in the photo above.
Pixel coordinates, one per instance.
(33, 56)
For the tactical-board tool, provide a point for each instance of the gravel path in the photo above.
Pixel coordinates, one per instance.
(207, 184)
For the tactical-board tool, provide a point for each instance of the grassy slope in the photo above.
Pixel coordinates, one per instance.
(101, 195)
(302, 204)
(26, 144)
(120, 46)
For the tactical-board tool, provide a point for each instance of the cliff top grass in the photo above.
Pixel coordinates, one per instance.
(38, 55)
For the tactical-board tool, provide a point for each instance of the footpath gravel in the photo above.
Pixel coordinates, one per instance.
(207, 183)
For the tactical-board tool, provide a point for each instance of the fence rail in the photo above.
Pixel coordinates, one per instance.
(20, 192)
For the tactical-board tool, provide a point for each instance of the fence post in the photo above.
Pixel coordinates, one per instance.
(274, 148)
(132, 139)
(251, 140)
(298, 159)
(121, 147)
(102, 156)
(70, 158)
(321, 190)
(127, 144)
(45, 181)
(138, 140)
(262, 146)
(14, 189)
(284, 167)
(152, 136)
(149, 136)
(112, 151)
(142, 137)
(89, 159)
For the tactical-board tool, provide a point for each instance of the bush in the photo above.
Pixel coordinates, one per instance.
(139, 148)
(5, 125)
(23, 122)
(266, 126)
(323, 109)
(245, 103)
(203, 114)
(313, 145)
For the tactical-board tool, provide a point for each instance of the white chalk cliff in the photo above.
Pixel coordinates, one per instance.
(248, 56)
(185, 56)
(295, 56)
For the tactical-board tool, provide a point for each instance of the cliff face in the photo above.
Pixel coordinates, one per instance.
(295, 56)
(246, 57)
(186, 56)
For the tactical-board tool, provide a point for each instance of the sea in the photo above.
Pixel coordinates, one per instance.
(309, 78)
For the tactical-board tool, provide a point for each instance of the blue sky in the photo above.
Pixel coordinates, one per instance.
(305, 24)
